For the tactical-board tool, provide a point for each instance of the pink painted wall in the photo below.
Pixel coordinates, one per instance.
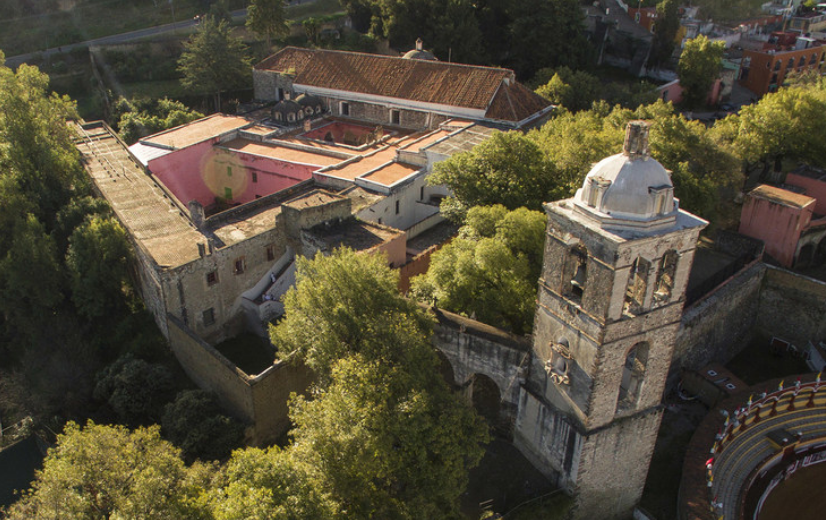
(202, 172)
(777, 225)
(181, 171)
(815, 188)
(674, 92)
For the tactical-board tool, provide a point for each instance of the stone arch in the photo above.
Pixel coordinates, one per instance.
(633, 376)
(486, 398)
(446, 369)
(666, 276)
(820, 252)
(637, 286)
(576, 273)
(806, 255)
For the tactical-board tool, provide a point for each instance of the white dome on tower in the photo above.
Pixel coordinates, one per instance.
(629, 189)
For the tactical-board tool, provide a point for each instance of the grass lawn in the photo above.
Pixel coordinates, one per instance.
(249, 352)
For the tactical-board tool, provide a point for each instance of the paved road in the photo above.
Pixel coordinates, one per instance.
(115, 38)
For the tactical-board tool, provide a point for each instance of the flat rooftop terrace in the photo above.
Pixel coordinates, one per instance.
(273, 150)
(197, 131)
(355, 234)
(152, 217)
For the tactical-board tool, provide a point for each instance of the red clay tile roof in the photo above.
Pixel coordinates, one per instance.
(515, 102)
(437, 82)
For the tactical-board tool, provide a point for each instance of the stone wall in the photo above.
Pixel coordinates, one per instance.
(260, 401)
(717, 327)
(792, 307)
(475, 348)
(613, 469)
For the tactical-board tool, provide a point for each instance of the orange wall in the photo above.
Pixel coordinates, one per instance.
(762, 67)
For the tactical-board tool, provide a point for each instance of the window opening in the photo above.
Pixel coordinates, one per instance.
(240, 265)
(633, 374)
(637, 286)
(212, 278)
(665, 276)
(209, 317)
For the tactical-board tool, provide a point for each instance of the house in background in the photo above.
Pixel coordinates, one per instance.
(787, 221)
(764, 71)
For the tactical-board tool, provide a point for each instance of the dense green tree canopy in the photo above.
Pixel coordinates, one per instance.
(508, 169)
(699, 68)
(665, 32)
(110, 472)
(780, 126)
(574, 90)
(97, 262)
(347, 304)
(490, 270)
(195, 423)
(383, 434)
(214, 61)
(268, 19)
(141, 117)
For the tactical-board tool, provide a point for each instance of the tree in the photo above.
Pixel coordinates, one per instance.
(141, 117)
(699, 67)
(346, 304)
(780, 126)
(385, 444)
(382, 434)
(213, 61)
(194, 423)
(507, 169)
(490, 270)
(547, 33)
(110, 472)
(573, 90)
(261, 484)
(665, 33)
(136, 390)
(97, 261)
(268, 18)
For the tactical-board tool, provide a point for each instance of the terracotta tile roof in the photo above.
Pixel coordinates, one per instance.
(436, 82)
(515, 102)
(781, 196)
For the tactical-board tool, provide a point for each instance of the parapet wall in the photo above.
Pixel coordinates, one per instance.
(260, 401)
(792, 306)
(718, 326)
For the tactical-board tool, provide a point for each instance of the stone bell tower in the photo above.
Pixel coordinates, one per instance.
(617, 260)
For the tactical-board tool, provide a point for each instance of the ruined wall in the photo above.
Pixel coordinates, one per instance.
(792, 306)
(380, 114)
(271, 390)
(718, 326)
(260, 401)
(266, 84)
(211, 371)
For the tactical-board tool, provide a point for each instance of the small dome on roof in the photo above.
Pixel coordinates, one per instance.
(308, 100)
(286, 106)
(629, 186)
(419, 53)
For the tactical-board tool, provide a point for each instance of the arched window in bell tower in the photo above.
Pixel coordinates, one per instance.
(577, 269)
(633, 374)
(637, 286)
(665, 277)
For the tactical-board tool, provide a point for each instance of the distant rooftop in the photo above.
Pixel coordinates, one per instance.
(781, 196)
(391, 174)
(274, 150)
(463, 141)
(355, 234)
(196, 131)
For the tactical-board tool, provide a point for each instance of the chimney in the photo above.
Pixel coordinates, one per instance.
(636, 140)
(419, 44)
